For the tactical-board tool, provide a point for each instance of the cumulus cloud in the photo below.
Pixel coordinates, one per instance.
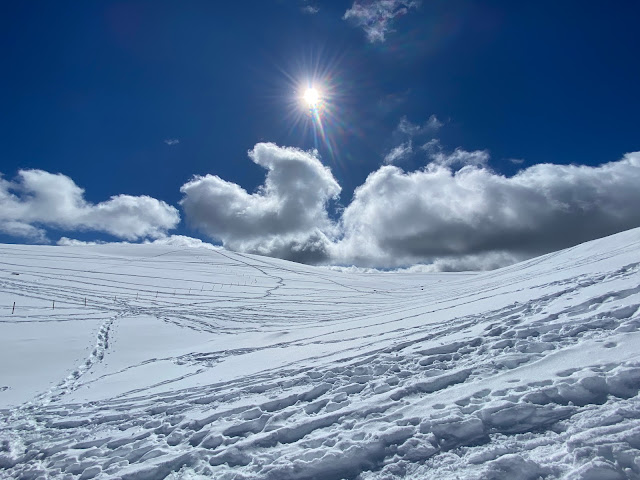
(171, 141)
(39, 199)
(454, 214)
(375, 17)
(475, 218)
(286, 217)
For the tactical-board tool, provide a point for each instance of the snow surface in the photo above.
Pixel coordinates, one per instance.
(197, 363)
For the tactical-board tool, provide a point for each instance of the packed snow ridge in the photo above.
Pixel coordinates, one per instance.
(149, 362)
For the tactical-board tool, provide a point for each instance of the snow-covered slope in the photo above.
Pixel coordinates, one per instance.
(192, 363)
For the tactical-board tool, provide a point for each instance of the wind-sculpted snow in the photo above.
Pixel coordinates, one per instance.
(162, 362)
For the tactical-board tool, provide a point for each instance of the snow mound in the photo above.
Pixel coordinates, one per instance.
(158, 361)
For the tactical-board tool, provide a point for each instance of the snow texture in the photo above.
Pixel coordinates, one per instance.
(161, 361)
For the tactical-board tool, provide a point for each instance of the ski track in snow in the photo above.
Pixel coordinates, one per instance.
(213, 364)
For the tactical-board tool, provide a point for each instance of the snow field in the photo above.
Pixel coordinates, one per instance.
(195, 363)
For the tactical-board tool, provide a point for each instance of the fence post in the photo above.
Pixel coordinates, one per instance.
(14, 308)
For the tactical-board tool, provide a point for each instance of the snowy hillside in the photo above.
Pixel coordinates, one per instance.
(197, 363)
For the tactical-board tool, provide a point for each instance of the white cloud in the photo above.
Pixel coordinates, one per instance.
(406, 129)
(459, 158)
(376, 16)
(183, 241)
(432, 147)
(171, 141)
(286, 217)
(72, 242)
(39, 199)
(411, 129)
(399, 153)
(310, 9)
(475, 218)
(171, 240)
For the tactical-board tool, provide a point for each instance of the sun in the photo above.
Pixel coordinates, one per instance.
(312, 97)
(317, 95)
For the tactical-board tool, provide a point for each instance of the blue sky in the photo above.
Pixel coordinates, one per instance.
(136, 97)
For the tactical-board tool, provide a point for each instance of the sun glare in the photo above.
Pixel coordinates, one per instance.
(315, 92)
(311, 97)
